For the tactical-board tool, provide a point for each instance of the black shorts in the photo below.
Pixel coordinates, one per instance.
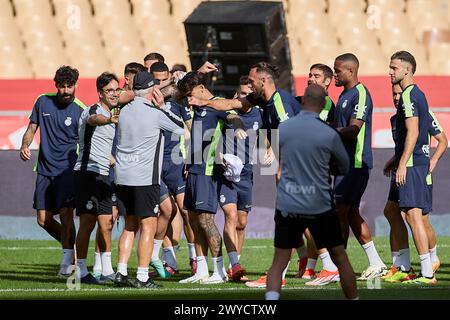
(93, 193)
(117, 202)
(141, 201)
(54, 193)
(325, 230)
(350, 188)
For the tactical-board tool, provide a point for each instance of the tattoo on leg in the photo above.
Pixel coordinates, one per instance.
(212, 233)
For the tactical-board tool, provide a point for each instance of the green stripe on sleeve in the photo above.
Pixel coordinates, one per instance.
(279, 107)
(326, 110)
(435, 120)
(361, 101)
(429, 179)
(407, 106)
(212, 148)
(360, 147)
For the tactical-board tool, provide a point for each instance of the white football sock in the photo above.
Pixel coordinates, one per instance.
(218, 266)
(272, 295)
(170, 258)
(107, 268)
(311, 264)
(97, 263)
(81, 263)
(234, 259)
(425, 266)
(372, 254)
(67, 257)
(192, 253)
(156, 248)
(122, 269)
(327, 262)
(433, 255)
(142, 274)
(404, 260)
(202, 265)
(395, 255)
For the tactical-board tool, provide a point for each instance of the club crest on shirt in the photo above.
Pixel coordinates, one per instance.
(426, 149)
(156, 209)
(89, 205)
(344, 105)
(255, 125)
(222, 198)
(203, 113)
(68, 122)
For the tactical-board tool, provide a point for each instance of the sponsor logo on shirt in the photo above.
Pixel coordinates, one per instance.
(357, 109)
(46, 114)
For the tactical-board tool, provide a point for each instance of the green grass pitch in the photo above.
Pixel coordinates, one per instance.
(28, 271)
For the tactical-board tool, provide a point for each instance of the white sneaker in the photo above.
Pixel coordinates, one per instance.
(373, 272)
(66, 270)
(195, 278)
(215, 279)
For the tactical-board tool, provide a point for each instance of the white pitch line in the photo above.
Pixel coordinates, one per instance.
(206, 289)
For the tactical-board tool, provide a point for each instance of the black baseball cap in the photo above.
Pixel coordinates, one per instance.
(144, 80)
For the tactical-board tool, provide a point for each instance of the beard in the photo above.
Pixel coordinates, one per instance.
(66, 99)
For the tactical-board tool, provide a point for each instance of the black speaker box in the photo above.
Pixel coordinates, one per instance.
(236, 34)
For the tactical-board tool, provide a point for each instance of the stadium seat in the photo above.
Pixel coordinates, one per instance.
(429, 21)
(153, 10)
(181, 9)
(395, 6)
(111, 10)
(440, 59)
(26, 9)
(6, 9)
(416, 8)
(337, 9)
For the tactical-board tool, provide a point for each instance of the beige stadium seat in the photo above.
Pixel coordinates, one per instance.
(337, 9)
(73, 14)
(144, 9)
(13, 68)
(31, 10)
(395, 6)
(181, 9)
(300, 62)
(6, 9)
(440, 59)
(8, 30)
(91, 65)
(310, 20)
(107, 11)
(416, 8)
(429, 21)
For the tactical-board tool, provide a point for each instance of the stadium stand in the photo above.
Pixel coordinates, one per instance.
(37, 36)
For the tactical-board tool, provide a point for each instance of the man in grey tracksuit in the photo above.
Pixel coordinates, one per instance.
(304, 198)
(140, 142)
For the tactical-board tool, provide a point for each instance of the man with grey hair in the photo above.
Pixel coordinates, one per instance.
(140, 141)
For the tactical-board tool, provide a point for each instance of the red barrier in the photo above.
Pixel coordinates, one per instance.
(21, 94)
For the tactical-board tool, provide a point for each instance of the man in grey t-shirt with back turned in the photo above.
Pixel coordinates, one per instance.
(140, 142)
(304, 198)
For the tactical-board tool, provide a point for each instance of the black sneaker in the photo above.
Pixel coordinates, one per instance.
(150, 284)
(89, 279)
(122, 281)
